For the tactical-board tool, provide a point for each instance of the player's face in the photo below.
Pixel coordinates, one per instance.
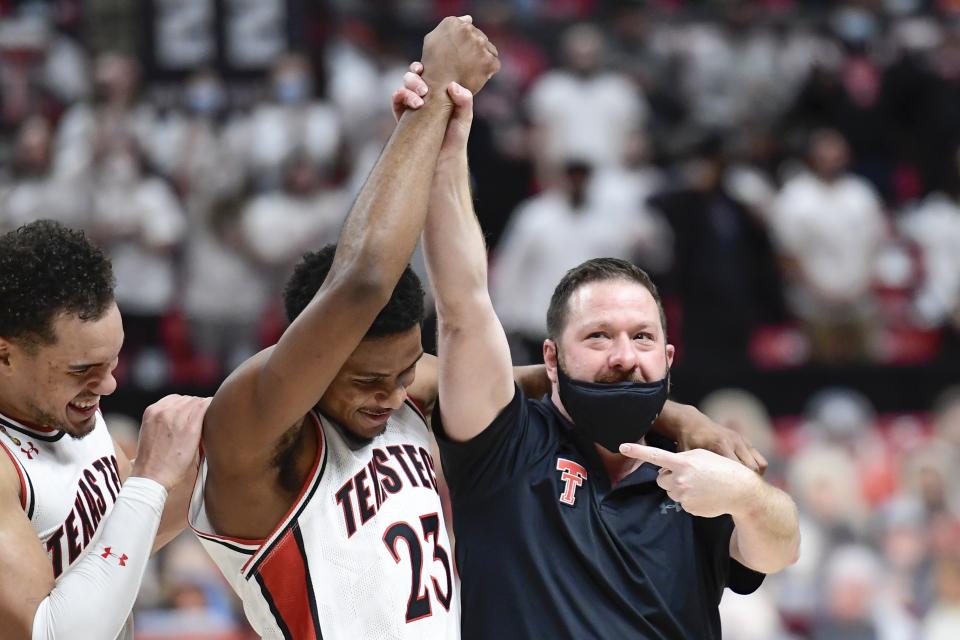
(373, 383)
(60, 385)
(613, 334)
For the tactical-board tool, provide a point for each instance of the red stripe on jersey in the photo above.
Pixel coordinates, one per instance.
(286, 583)
(312, 478)
(23, 481)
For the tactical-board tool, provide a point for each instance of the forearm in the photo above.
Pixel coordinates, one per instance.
(767, 531)
(475, 373)
(453, 245)
(98, 593)
(672, 420)
(383, 225)
(174, 518)
(532, 379)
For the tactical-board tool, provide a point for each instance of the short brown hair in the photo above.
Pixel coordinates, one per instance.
(596, 270)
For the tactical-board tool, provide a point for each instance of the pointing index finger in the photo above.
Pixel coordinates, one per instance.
(653, 455)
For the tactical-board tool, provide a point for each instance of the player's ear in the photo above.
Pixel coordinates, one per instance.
(550, 359)
(4, 353)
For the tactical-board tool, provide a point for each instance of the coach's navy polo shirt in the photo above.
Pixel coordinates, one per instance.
(547, 549)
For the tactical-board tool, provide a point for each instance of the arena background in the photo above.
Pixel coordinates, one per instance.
(788, 171)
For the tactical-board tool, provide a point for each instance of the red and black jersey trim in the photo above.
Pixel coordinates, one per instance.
(225, 543)
(260, 547)
(31, 500)
(311, 596)
(274, 611)
(47, 436)
(290, 520)
(27, 494)
(416, 409)
(292, 523)
(287, 588)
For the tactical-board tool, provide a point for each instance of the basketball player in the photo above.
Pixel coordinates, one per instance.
(562, 532)
(317, 494)
(62, 478)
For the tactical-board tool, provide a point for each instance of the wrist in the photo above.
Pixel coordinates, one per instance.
(452, 163)
(142, 473)
(746, 500)
(436, 93)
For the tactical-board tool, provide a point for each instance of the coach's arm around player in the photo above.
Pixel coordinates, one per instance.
(94, 598)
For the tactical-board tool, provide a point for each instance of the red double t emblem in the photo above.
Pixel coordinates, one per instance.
(573, 475)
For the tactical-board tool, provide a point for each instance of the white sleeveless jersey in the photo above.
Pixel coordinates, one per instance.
(363, 551)
(67, 488)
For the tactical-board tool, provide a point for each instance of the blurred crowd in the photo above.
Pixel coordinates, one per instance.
(788, 171)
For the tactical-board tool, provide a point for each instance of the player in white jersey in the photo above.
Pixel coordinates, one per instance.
(363, 552)
(351, 353)
(74, 542)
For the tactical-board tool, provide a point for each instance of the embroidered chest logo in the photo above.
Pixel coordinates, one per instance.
(667, 505)
(573, 475)
(30, 451)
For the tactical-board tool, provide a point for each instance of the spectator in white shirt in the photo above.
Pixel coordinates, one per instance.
(935, 227)
(89, 132)
(830, 226)
(191, 147)
(31, 192)
(138, 219)
(548, 235)
(295, 121)
(582, 110)
(280, 226)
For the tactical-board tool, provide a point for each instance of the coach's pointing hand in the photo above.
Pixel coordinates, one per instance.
(456, 51)
(704, 483)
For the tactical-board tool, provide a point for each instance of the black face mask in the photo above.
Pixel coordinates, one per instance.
(611, 413)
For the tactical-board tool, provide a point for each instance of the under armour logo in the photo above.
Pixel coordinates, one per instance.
(32, 450)
(573, 476)
(666, 505)
(122, 558)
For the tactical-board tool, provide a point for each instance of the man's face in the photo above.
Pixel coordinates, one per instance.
(373, 383)
(613, 334)
(59, 385)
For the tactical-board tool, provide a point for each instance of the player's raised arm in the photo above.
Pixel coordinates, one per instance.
(274, 390)
(475, 375)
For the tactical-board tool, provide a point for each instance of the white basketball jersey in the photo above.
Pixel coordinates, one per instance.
(67, 488)
(363, 551)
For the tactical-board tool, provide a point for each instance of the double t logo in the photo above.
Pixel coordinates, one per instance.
(573, 475)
